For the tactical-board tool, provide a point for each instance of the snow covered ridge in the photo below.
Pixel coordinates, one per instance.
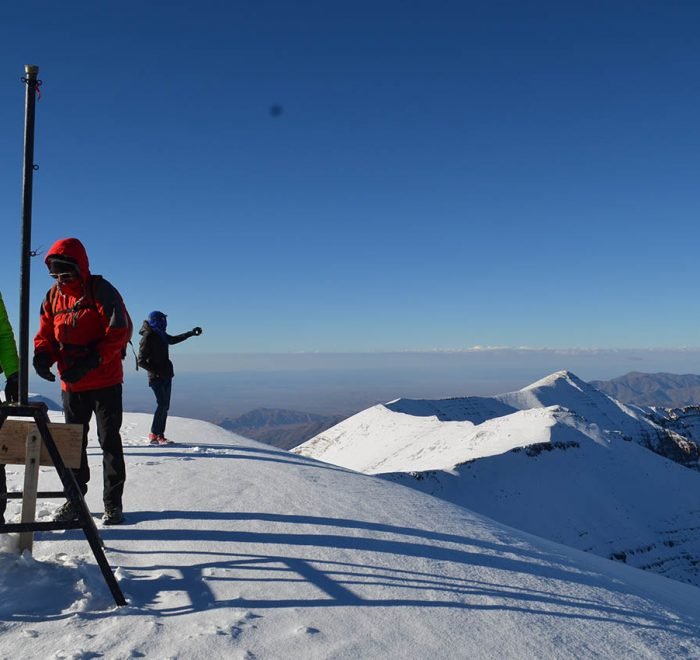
(234, 549)
(631, 422)
(557, 458)
(408, 435)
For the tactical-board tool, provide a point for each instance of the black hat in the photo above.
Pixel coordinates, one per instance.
(61, 264)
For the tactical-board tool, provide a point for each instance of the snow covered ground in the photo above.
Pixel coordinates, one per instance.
(234, 549)
(558, 459)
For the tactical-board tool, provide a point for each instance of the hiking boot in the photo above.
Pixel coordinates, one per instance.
(158, 439)
(65, 513)
(113, 516)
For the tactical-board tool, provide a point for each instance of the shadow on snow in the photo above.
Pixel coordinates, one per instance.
(430, 568)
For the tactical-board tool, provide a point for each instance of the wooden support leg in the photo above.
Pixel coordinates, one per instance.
(43, 430)
(31, 483)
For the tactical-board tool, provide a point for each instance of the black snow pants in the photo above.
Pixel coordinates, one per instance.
(3, 493)
(106, 404)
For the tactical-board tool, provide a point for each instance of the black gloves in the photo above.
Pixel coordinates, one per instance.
(12, 388)
(81, 367)
(42, 365)
(197, 331)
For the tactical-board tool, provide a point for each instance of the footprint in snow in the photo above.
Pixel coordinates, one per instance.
(134, 442)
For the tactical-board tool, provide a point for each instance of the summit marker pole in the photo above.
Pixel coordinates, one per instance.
(32, 71)
(38, 411)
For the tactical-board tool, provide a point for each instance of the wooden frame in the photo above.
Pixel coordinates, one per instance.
(39, 436)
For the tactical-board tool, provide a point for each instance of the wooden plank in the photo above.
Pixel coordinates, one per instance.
(31, 485)
(13, 436)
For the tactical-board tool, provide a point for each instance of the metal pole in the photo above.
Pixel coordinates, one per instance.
(32, 72)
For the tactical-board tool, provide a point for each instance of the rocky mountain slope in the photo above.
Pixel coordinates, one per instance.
(280, 428)
(658, 389)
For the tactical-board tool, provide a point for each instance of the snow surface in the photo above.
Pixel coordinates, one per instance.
(575, 468)
(235, 549)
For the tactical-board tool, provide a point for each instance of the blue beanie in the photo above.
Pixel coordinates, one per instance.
(158, 321)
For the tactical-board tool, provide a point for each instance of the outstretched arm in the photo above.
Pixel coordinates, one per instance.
(176, 339)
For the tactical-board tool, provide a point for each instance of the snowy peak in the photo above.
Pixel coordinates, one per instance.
(562, 388)
(565, 389)
(557, 377)
(413, 434)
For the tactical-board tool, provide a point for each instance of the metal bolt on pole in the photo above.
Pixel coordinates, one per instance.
(32, 83)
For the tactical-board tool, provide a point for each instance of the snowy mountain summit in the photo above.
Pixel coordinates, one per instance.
(557, 458)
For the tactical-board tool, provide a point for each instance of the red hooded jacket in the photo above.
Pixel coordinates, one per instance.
(80, 316)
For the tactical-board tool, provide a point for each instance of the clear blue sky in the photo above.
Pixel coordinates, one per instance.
(443, 174)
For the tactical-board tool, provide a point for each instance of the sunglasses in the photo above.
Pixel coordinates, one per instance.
(63, 277)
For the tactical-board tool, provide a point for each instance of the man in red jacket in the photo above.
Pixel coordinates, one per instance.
(84, 328)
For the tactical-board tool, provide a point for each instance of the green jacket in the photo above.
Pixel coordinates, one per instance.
(9, 362)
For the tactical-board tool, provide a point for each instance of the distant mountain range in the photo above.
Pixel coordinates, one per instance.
(660, 389)
(559, 459)
(280, 428)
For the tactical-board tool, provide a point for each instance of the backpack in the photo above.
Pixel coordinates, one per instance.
(88, 302)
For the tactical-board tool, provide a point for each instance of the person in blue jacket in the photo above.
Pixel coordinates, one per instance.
(155, 359)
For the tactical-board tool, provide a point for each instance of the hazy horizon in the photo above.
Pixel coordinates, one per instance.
(213, 387)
